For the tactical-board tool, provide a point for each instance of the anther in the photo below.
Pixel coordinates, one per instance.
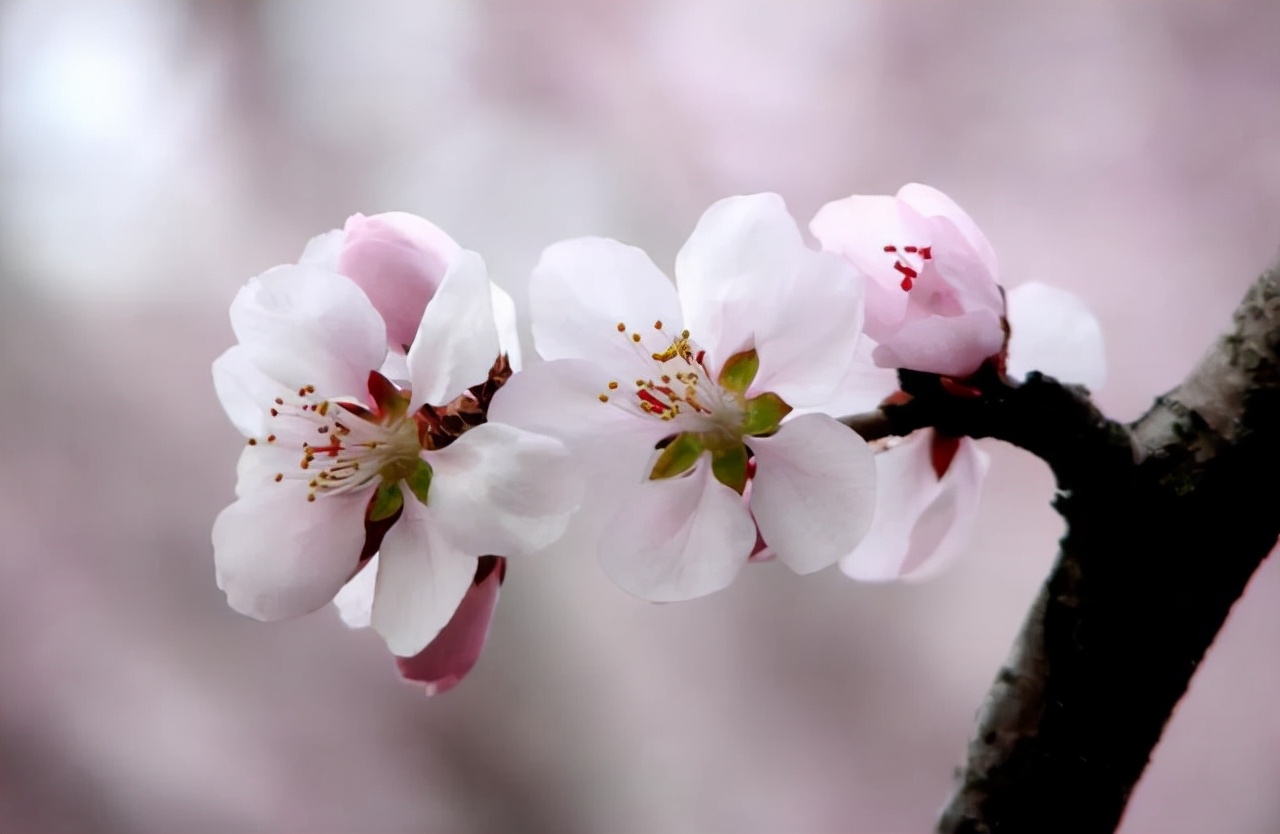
(279, 477)
(271, 438)
(275, 413)
(604, 398)
(253, 441)
(311, 496)
(279, 401)
(657, 325)
(613, 386)
(622, 328)
(635, 337)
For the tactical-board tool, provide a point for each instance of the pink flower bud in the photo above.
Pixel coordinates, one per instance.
(398, 259)
(933, 303)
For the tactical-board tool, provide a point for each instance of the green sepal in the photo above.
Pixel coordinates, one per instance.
(729, 465)
(764, 413)
(419, 480)
(386, 502)
(679, 456)
(739, 371)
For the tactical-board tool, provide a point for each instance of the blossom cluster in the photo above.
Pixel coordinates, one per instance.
(397, 455)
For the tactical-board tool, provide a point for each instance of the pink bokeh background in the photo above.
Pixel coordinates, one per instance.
(154, 154)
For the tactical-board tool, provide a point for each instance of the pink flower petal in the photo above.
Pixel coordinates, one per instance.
(448, 658)
(922, 520)
(399, 260)
(949, 345)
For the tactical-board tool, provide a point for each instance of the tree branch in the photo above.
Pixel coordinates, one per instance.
(1167, 519)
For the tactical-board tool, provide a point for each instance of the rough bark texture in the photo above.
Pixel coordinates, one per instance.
(1167, 519)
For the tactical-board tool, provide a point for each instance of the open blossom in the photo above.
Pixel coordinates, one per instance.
(679, 399)
(342, 462)
(933, 301)
(929, 484)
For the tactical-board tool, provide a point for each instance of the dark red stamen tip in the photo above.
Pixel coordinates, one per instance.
(648, 397)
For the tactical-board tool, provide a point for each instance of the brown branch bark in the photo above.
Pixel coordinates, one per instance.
(1167, 519)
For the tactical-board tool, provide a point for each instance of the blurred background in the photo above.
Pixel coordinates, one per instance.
(155, 154)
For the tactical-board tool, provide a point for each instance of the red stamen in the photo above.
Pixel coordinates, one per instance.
(911, 249)
(331, 450)
(908, 274)
(648, 397)
(891, 249)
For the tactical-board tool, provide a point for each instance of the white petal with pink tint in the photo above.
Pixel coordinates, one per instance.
(582, 289)
(678, 538)
(422, 577)
(457, 339)
(303, 326)
(278, 557)
(922, 521)
(1052, 331)
(502, 490)
(953, 345)
(814, 491)
(739, 261)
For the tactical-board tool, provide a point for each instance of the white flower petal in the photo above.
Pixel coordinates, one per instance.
(1052, 331)
(245, 392)
(562, 399)
(504, 317)
(421, 580)
(324, 250)
(678, 538)
(279, 555)
(457, 340)
(260, 463)
(813, 494)
(582, 289)
(739, 261)
(862, 388)
(503, 491)
(807, 338)
(922, 521)
(302, 325)
(355, 601)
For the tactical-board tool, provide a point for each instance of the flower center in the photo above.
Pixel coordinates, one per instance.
(903, 263)
(345, 446)
(714, 414)
(680, 386)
